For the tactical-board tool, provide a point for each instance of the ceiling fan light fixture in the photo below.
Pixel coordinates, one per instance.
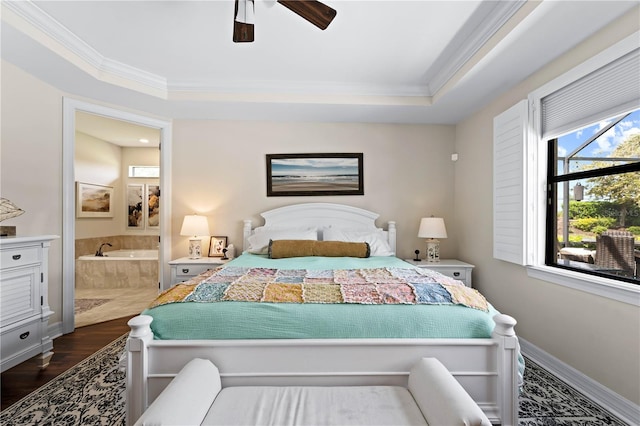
(245, 12)
(242, 29)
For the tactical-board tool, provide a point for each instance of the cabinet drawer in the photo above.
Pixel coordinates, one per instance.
(185, 271)
(458, 274)
(20, 338)
(19, 256)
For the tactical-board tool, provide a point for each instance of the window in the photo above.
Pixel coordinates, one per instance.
(593, 204)
(144, 171)
(539, 160)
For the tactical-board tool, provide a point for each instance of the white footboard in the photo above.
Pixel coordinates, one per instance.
(486, 368)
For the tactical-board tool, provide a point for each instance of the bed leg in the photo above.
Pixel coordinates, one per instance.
(137, 366)
(504, 334)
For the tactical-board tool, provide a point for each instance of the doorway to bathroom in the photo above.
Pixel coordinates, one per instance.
(95, 158)
(117, 229)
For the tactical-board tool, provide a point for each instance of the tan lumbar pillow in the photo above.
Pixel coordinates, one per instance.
(279, 249)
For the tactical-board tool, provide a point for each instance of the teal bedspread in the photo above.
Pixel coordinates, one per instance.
(251, 320)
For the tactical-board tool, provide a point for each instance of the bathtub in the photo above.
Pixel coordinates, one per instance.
(124, 255)
(118, 269)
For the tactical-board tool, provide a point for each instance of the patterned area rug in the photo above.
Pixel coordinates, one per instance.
(92, 393)
(550, 402)
(83, 305)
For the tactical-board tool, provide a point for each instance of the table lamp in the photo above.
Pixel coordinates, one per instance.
(432, 228)
(195, 226)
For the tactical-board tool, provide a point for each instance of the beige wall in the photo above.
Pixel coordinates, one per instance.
(597, 336)
(99, 162)
(31, 164)
(219, 170)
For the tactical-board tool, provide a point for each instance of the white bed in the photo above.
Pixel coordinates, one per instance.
(486, 367)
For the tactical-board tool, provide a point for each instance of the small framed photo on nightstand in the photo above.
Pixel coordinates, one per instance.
(216, 246)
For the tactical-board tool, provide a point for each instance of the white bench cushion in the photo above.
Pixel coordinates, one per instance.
(187, 398)
(441, 398)
(194, 397)
(314, 405)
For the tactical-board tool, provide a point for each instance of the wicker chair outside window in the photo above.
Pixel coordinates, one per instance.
(614, 250)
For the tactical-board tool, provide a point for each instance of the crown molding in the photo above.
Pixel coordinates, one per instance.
(480, 28)
(485, 22)
(39, 25)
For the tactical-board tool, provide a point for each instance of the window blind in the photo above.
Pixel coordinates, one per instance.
(509, 174)
(608, 91)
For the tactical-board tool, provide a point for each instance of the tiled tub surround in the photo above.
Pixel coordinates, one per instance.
(109, 273)
(89, 246)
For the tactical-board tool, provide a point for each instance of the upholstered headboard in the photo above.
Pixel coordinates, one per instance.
(321, 215)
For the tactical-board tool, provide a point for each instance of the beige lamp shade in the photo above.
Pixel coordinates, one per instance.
(432, 227)
(194, 226)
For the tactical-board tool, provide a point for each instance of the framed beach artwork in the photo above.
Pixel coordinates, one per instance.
(314, 174)
(93, 200)
(153, 206)
(135, 206)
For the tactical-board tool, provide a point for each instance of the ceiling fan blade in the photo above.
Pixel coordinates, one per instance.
(319, 14)
(243, 21)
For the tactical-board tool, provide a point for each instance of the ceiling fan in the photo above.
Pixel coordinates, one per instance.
(319, 14)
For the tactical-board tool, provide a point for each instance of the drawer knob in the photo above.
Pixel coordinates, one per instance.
(24, 335)
(456, 274)
(16, 256)
(185, 270)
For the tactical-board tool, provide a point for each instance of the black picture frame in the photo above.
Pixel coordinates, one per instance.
(314, 174)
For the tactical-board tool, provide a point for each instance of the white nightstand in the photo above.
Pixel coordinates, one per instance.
(185, 268)
(450, 267)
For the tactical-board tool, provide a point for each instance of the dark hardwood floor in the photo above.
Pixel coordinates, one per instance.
(68, 349)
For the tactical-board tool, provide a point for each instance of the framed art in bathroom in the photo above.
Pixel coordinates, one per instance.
(94, 201)
(153, 206)
(135, 206)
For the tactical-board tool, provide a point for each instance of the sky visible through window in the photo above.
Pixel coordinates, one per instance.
(603, 146)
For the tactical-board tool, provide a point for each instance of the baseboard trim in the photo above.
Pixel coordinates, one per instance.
(55, 330)
(608, 399)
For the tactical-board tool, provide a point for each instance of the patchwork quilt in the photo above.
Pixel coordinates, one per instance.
(373, 286)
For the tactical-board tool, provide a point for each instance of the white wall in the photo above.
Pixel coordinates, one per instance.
(219, 170)
(597, 336)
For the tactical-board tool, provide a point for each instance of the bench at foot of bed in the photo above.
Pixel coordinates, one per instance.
(195, 396)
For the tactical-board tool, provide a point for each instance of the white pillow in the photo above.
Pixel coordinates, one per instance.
(375, 237)
(259, 241)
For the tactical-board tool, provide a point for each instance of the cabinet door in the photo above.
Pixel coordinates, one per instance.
(19, 294)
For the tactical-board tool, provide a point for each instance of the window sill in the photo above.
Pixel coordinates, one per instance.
(604, 287)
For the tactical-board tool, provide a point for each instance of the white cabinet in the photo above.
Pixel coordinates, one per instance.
(24, 300)
(185, 268)
(450, 267)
